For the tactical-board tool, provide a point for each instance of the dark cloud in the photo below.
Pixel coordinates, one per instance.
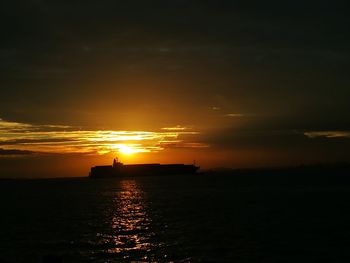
(36, 141)
(9, 152)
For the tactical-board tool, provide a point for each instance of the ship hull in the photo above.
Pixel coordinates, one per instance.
(142, 170)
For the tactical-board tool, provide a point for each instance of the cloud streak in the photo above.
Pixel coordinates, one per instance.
(327, 134)
(29, 138)
(234, 115)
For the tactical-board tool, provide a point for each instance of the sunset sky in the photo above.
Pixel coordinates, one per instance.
(225, 83)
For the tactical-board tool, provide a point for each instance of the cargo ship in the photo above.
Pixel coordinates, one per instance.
(119, 169)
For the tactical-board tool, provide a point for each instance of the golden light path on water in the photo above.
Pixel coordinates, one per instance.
(130, 222)
(30, 138)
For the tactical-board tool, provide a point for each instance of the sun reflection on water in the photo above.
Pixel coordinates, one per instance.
(130, 222)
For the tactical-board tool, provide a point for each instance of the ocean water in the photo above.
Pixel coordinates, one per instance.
(175, 219)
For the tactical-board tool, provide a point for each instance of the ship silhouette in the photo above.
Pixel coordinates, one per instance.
(119, 169)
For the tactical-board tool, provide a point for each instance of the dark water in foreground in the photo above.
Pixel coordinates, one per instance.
(181, 219)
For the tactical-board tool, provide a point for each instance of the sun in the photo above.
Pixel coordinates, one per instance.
(128, 149)
(125, 149)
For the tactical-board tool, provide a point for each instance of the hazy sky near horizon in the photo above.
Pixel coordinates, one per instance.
(228, 83)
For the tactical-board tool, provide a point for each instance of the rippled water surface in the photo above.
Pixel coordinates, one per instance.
(181, 219)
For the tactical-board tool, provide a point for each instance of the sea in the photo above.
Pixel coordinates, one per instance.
(198, 218)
